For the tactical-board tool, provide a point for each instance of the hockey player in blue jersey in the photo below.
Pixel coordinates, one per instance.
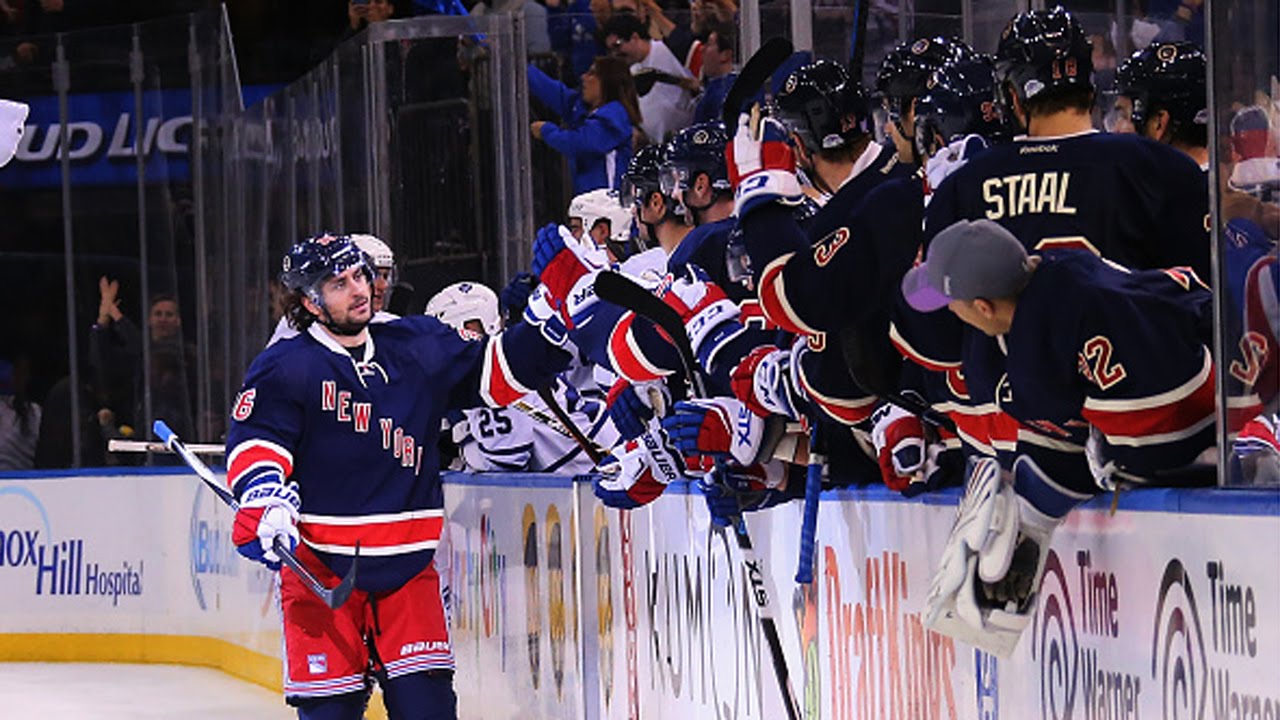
(845, 286)
(1063, 184)
(694, 173)
(904, 76)
(1076, 376)
(332, 447)
(1161, 94)
(821, 129)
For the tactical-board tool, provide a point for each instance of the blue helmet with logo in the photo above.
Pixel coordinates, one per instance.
(906, 69)
(959, 100)
(1040, 51)
(1166, 76)
(697, 149)
(823, 106)
(309, 263)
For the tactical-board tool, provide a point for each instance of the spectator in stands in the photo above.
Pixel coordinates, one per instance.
(667, 103)
(679, 37)
(596, 123)
(19, 419)
(717, 71)
(362, 14)
(572, 28)
(96, 425)
(115, 360)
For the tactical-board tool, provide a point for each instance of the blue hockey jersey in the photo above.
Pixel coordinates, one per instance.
(1088, 362)
(1129, 199)
(359, 435)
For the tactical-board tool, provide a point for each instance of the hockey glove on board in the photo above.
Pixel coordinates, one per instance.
(636, 473)
(734, 489)
(268, 509)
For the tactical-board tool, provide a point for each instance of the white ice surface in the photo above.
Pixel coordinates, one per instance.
(116, 691)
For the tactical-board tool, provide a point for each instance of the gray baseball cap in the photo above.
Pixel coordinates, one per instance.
(967, 260)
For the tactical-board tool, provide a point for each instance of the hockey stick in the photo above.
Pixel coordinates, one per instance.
(136, 446)
(615, 288)
(858, 49)
(809, 518)
(593, 451)
(759, 68)
(334, 597)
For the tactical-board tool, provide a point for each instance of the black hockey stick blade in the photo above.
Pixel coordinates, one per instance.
(771, 55)
(332, 597)
(621, 291)
(549, 399)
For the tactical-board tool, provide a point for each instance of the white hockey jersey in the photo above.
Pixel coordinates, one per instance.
(527, 436)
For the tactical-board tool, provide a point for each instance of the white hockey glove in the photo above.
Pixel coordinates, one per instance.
(952, 157)
(762, 166)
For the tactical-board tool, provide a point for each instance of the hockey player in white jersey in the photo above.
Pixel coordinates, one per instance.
(525, 436)
(383, 262)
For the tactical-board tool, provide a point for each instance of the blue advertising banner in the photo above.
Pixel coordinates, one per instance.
(102, 139)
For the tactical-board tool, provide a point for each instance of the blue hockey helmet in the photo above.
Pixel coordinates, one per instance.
(696, 149)
(823, 106)
(1166, 76)
(641, 177)
(906, 69)
(309, 263)
(959, 100)
(1040, 51)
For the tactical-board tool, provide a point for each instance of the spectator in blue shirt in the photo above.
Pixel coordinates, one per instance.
(596, 123)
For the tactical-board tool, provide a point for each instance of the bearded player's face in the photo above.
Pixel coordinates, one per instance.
(348, 298)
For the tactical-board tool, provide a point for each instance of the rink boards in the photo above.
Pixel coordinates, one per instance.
(564, 609)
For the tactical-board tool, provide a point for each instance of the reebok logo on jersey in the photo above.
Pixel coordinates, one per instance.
(1037, 149)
